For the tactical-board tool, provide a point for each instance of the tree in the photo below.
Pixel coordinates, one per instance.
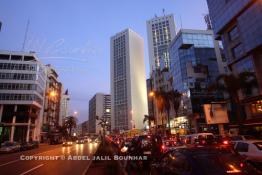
(104, 124)
(232, 84)
(70, 123)
(175, 98)
(163, 104)
(63, 130)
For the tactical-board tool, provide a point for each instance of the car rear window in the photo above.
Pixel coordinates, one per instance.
(258, 145)
(217, 163)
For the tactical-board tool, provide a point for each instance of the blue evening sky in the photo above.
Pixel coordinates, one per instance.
(74, 35)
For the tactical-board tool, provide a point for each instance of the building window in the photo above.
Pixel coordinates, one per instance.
(238, 51)
(233, 34)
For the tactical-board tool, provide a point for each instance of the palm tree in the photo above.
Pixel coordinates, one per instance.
(63, 131)
(104, 125)
(232, 84)
(175, 98)
(70, 123)
(163, 104)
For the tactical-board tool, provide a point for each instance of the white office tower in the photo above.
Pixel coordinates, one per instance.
(99, 106)
(128, 81)
(160, 32)
(64, 106)
(22, 91)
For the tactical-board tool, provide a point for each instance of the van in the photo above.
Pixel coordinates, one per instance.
(196, 138)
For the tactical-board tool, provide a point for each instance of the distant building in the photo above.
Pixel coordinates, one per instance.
(128, 82)
(150, 88)
(239, 25)
(51, 117)
(77, 131)
(22, 91)
(196, 62)
(99, 106)
(85, 128)
(160, 32)
(64, 108)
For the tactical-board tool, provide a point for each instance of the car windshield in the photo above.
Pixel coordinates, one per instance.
(234, 138)
(8, 144)
(247, 137)
(258, 145)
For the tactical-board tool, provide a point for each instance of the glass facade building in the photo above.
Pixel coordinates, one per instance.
(238, 23)
(194, 67)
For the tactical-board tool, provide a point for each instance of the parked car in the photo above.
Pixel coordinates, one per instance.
(26, 146)
(35, 144)
(201, 160)
(8, 147)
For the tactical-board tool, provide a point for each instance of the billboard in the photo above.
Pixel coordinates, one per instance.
(216, 113)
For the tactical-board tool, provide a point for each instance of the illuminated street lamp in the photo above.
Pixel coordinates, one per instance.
(52, 94)
(151, 94)
(75, 113)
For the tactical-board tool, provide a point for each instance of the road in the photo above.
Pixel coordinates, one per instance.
(15, 163)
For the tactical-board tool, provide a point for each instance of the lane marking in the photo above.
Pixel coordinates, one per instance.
(88, 165)
(32, 169)
(13, 161)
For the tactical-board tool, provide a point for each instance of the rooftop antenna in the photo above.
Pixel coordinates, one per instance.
(207, 21)
(181, 24)
(25, 37)
(163, 11)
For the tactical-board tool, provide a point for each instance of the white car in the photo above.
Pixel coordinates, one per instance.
(241, 137)
(251, 149)
(8, 147)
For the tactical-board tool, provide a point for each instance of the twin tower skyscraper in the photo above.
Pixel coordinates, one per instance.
(127, 66)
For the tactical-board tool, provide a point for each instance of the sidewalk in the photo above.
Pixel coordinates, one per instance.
(105, 167)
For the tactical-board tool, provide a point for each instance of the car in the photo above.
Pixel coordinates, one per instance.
(26, 146)
(233, 139)
(201, 160)
(80, 141)
(200, 138)
(68, 143)
(8, 147)
(251, 150)
(35, 144)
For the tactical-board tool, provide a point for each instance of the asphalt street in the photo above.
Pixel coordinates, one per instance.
(62, 162)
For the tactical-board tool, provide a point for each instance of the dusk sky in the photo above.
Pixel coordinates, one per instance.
(74, 35)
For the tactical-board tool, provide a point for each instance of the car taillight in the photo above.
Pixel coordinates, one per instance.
(233, 169)
(225, 142)
(241, 165)
(163, 147)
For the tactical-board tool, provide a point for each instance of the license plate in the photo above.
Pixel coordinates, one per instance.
(147, 152)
